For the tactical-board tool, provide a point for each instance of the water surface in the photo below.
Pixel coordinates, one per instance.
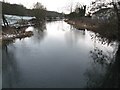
(58, 55)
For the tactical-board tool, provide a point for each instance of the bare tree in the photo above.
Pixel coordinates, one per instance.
(38, 6)
(39, 11)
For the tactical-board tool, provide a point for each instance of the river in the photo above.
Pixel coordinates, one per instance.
(57, 56)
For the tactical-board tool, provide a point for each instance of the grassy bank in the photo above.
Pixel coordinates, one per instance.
(82, 23)
(104, 28)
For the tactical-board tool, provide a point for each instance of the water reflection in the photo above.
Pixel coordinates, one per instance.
(74, 35)
(10, 69)
(107, 76)
(61, 56)
(108, 64)
(39, 32)
(112, 77)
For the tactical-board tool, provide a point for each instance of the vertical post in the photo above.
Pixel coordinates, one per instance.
(0, 46)
(5, 21)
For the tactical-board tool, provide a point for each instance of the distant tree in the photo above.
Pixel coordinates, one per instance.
(38, 6)
(81, 10)
(39, 11)
(78, 12)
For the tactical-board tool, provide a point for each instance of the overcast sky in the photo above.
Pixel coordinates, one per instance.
(52, 5)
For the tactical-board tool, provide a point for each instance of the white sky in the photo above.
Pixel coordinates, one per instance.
(52, 5)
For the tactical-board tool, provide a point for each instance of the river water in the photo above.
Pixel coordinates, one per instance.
(57, 56)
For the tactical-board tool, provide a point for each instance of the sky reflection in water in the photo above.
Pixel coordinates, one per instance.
(57, 56)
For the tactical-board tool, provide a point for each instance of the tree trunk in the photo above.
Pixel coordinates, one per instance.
(5, 21)
(118, 17)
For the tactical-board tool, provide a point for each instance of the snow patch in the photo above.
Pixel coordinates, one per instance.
(29, 29)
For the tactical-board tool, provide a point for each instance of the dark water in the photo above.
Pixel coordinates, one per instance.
(58, 55)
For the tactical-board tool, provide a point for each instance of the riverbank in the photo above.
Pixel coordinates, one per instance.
(18, 30)
(105, 29)
(10, 34)
(83, 23)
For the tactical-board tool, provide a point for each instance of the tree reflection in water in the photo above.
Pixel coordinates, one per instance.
(39, 32)
(41, 27)
(108, 76)
(73, 36)
(112, 77)
(10, 72)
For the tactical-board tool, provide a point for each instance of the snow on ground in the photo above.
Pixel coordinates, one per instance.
(29, 29)
(12, 19)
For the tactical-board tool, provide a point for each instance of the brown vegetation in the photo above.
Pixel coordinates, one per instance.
(105, 29)
(9, 33)
(83, 23)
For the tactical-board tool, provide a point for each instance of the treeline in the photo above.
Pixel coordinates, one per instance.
(14, 9)
(77, 13)
(20, 10)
